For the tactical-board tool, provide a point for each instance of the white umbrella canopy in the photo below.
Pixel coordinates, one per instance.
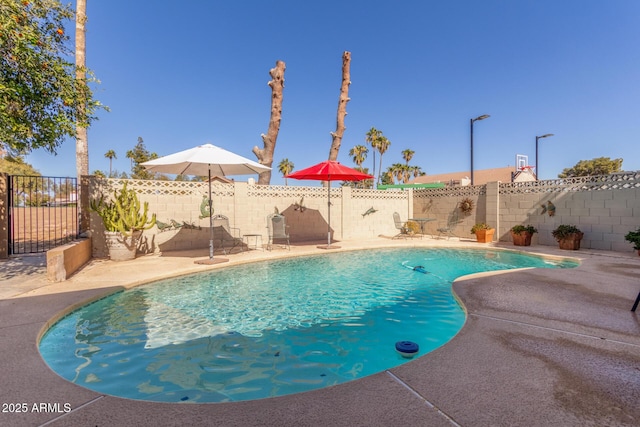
(205, 160)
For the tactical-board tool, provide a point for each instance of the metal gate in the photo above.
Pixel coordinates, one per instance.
(43, 213)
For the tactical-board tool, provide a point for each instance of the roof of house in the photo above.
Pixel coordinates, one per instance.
(479, 176)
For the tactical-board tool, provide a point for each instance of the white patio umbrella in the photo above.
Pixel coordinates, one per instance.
(205, 160)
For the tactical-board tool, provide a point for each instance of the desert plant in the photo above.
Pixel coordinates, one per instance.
(634, 237)
(563, 231)
(523, 228)
(480, 226)
(123, 213)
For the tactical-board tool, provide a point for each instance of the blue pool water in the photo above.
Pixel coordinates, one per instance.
(270, 328)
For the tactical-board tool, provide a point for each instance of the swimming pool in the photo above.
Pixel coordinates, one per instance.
(270, 328)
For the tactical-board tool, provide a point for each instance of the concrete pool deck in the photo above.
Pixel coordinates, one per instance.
(540, 347)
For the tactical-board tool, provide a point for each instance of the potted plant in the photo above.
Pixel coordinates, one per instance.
(521, 234)
(634, 237)
(568, 236)
(483, 232)
(124, 220)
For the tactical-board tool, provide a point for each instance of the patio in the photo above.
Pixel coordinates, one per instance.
(540, 347)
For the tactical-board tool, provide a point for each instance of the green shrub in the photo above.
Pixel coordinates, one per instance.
(634, 237)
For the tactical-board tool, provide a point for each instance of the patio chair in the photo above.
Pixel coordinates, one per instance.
(278, 229)
(452, 223)
(399, 226)
(224, 233)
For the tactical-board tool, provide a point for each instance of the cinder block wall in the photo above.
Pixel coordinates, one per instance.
(443, 205)
(247, 206)
(605, 208)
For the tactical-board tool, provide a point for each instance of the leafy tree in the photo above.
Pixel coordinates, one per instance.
(365, 183)
(285, 167)
(387, 178)
(15, 165)
(597, 166)
(140, 154)
(39, 94)
(63, 189)
(110, 155)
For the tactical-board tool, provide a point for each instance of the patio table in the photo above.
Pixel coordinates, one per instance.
(255, 243)
(421, 221)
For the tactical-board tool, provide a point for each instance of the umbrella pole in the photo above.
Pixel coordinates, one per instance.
(329, 213)
(210, 218)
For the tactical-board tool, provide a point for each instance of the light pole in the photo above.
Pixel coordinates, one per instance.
(482, 117)
(546, 135)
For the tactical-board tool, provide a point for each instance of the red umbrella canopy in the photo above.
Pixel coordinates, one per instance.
(329, 170)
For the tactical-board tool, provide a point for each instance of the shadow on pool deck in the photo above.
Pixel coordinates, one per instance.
(540, 347)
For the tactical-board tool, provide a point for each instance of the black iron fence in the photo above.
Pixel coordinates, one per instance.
(43, 213)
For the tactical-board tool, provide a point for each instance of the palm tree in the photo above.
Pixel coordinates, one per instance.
(392, 172)
(382, 146)
(372, 139)
(359, 154)
(82, 133)
(110, 155)
(417, 171)
(406, 173)
(407, 155)
(82, 143)
(130, 155)
(285, 167)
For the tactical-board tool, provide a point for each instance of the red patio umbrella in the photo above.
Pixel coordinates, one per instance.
(329, 170)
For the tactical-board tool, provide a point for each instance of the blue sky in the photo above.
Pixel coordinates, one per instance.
(180, 74)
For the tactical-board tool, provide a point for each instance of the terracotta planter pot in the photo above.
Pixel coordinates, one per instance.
(485, 236)
(122, 248)
(571, 242)
(521, 239)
